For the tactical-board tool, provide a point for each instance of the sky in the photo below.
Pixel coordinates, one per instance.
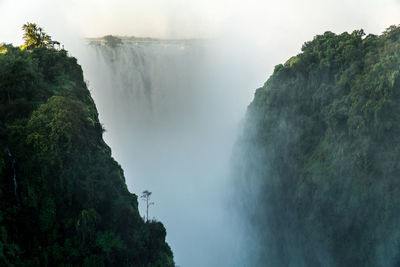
(254, 19)
(274, 30)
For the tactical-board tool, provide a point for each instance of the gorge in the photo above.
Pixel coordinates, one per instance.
(307, 176)
(171, 110)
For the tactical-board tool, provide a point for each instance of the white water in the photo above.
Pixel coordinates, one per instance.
(13, 162)
(171, 112)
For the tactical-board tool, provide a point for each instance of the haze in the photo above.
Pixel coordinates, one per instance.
(197, 18)
(277, 29)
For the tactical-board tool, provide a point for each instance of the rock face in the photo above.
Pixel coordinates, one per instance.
(63, 199)
(317, 166)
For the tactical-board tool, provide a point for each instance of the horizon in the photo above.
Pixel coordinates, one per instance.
(161, 19)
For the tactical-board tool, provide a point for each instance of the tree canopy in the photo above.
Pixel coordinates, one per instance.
(112, 41)
(35, 37)
(318, 162)
(63, 198)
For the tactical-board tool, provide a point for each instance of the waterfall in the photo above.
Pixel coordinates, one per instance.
(13, 167)
(171, 111)
(148, 84)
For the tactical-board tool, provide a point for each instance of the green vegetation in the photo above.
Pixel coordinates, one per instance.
(63, 199)
(35, 37)
(322, 149)
(112, 41)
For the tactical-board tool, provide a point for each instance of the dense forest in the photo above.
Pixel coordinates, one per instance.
(317, 166)
(63, 198)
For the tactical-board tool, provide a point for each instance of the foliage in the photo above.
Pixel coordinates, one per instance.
(321, 143)
(34, 36)
(72, 206)
(112, 41)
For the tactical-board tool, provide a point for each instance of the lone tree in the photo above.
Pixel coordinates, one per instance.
(34, 36)
(146, 197)
(112, 41)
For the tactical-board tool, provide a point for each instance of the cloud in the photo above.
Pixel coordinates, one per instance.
(198, 18)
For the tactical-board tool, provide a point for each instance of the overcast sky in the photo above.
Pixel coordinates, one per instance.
(256, 20)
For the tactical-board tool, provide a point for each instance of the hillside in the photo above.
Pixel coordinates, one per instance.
(317, 166)
(63, 199)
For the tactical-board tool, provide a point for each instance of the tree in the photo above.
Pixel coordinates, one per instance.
(34, 36)
(112, 41)
(146, 197)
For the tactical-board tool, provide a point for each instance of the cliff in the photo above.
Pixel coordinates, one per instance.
(63, 199)
(317, 165)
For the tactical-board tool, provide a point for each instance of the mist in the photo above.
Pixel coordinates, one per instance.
(171, 118)
(172, 111)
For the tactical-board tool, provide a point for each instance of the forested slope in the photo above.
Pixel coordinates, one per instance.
(63, 199)
(317, 166)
